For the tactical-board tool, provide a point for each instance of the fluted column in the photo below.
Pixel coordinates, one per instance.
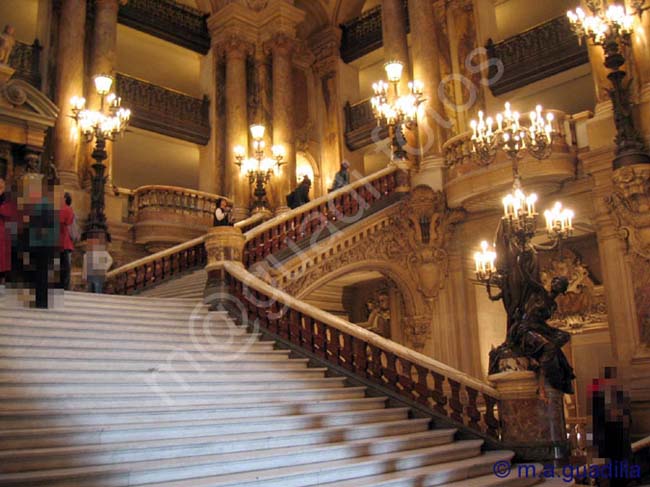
(426, 68)
(281, 47)
(102, 60)
(235, 51)
(393, 21)
(69, 83)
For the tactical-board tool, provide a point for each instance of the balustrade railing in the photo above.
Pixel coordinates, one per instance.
(164, 110)
(361, 127)
(536, 54)
(153, 269)
(151, 201)
(342, 206)
(168, 20)
(25, 59)
(444, 391)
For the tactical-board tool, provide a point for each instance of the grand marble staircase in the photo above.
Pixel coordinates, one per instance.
(107, 391)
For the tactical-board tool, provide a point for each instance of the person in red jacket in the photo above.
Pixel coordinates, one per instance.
(7, 218)
(66, 220)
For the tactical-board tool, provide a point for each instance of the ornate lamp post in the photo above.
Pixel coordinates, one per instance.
(612, 30)
(259, 168)
(513, 266)
(395, 110)
(101, 125)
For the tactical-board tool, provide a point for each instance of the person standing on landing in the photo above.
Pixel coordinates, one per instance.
(97, 262)
(342, 178)
(66, 220)
(223, 214)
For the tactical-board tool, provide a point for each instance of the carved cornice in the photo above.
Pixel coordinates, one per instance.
(168, 20)
(535, 54)
(165, 111)
(326, 46)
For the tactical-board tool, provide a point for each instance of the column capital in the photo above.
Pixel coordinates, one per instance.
(280, 44)
(234, 47)
(326, 45)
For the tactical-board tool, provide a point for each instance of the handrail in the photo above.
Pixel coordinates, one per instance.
(277, 233)
(642, 444)
(178, 189)
(155, 267)
(361, 351)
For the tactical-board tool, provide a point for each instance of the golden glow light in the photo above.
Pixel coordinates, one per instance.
(614, 21)
(559, 221)
(257, 131)
(484, 261)
(103, 84)
(394, 70)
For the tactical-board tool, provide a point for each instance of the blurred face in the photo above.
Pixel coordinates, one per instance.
(223, 205)
(2, 185)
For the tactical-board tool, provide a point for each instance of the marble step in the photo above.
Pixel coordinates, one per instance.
(189, 355)
(353, 462)
(473, 472)
(28, 328)
(98, 454)
(166, 384)
(127, 344)
(101, 331)
(458, 455)
(93, 434)
(162, 375)
(91, 299)
(249, 364)
(159, 397)
(232, 463)
(54, 418)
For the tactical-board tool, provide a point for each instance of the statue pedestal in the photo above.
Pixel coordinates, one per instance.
(534, 429)
(222, 244)
(403, 175)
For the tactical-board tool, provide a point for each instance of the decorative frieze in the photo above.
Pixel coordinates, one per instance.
(165, 111)
(535, 54)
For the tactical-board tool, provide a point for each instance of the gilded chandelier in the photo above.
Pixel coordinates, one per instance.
(508, 134)
(611, 28)
(259, 169)
(397, 111)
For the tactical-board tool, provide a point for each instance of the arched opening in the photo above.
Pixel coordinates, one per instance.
(306, 166)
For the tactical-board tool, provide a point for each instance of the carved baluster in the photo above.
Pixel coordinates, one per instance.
(404, 381)
(438, 393)
(375, 366)
(492, 425)
(320, 340)
(335, 348)
(360, 349)
(473, 414)
(294, 327)
(455, 403)
(390, 371)
(420, 387)
(347, 352)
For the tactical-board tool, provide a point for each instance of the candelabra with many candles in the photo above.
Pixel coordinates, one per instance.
(395, 110)
(513, 266)
(259, 169)
(612, 29)
(100, 126)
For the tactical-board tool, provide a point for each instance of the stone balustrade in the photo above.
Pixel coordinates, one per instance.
(476, 185)
(167, 215)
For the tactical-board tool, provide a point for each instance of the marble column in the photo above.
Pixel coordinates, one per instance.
(69, 83)
(281, 47)
(426, 69)
(326, 48)
(102, 61)
(236, 51)
(393, 20)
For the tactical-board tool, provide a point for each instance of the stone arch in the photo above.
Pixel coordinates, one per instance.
(304, 158)
(414, 303)
(347, 10)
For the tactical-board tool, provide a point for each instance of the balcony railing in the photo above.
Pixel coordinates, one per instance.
(165, 111)
(363, 34)
(168, 20)
(25, 59)
(443, 391)
(361, 127)
(536, 54)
